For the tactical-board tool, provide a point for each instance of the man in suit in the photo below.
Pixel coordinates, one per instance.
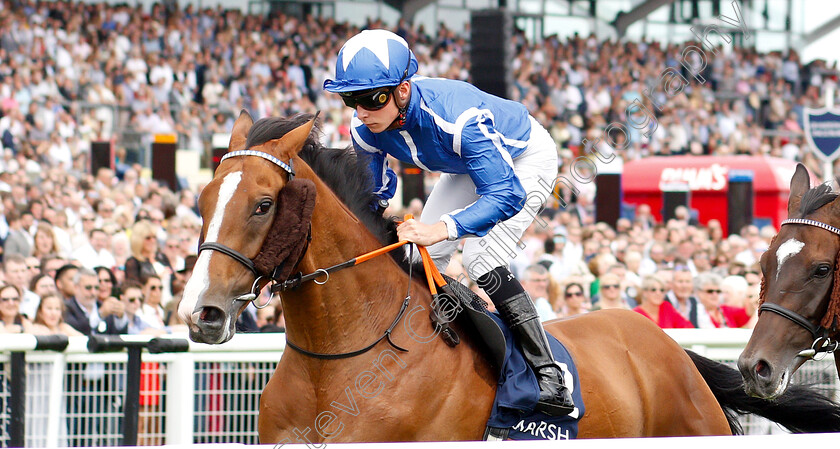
(86, 314)
(96, 397)
(18, 241)
(682, 299)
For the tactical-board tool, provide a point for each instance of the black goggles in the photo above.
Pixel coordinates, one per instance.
(372, 100)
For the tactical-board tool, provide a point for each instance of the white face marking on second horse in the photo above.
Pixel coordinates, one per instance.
(787, 250)
(200, 279)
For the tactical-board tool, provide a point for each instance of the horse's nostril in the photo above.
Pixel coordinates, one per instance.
(762, 369)
(210, 314)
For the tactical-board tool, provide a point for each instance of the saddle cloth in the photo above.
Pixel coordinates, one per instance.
(513, 416)
(517, 394)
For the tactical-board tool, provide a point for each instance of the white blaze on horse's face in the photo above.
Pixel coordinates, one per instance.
(200, 279)
(787, 250)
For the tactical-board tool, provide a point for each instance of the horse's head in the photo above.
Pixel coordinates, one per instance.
(251, 198)
(801, 278)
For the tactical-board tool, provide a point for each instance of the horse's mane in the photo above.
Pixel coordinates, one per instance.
(342, 169)
(816, 198)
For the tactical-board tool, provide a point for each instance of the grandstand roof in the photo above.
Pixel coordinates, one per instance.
(778, 24)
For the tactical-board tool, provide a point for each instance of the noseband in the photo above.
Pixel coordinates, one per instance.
(822, 342)
(251, 264)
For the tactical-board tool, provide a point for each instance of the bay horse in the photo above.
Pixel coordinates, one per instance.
(635, 380)
(801, 290)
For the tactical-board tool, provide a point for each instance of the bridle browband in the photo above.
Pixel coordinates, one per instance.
(809, 222)
(288, 168)
(822, 343)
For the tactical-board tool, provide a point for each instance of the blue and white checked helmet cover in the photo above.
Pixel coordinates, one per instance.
(371, 59)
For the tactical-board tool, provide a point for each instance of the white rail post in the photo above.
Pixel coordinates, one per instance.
(56, 400)
(180, 400)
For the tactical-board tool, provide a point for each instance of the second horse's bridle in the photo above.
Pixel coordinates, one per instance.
(822, 342)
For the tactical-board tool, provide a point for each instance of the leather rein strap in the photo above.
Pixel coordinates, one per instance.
(388, 332)
(822, 342)
(432, 275)
(296, 280)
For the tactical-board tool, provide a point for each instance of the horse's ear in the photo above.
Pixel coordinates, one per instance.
(292, 142)
(799, 184)
(239, 135)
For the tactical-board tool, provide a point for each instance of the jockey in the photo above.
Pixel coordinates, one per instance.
(497, 162)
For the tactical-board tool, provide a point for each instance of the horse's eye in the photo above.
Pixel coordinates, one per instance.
(263, 208)
(822, 271)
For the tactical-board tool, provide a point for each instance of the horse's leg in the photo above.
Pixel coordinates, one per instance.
(287, 403)
(635, 380)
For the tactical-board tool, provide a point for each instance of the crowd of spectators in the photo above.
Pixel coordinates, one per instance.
(110, 252)
(81, 249)
(678, 274)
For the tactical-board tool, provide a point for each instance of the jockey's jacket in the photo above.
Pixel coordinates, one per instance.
(453, 127)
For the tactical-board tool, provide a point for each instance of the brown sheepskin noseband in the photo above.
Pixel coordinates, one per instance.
(290, 233)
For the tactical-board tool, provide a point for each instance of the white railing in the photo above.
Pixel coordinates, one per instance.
(211, 393)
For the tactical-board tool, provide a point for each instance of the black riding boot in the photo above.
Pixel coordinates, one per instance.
(518, 311)
(521, 316)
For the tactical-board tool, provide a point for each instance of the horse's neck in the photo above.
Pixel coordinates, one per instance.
(358, 303)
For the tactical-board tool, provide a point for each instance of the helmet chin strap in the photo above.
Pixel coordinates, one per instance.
(400, 120)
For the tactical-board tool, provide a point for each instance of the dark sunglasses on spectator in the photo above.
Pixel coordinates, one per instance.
(611, 286)
(156, 287)
(9, 298)
(574, 293)
(134, 299)
(712, 291)
(372, 99)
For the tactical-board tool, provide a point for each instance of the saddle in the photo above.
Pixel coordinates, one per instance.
(513, 415)
(459, 302)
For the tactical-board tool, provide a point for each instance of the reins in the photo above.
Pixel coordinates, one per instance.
(822, 342)
(433, 277)
(300, 278)
(387, 334)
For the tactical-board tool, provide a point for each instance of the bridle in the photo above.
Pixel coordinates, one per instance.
(822, 342)
(238, 256)
(296, 280)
